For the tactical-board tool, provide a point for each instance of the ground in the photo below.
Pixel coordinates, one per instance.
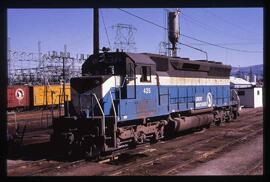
(235, 162)
(243, 158)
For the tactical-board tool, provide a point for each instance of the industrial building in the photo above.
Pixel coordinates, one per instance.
(250, 95)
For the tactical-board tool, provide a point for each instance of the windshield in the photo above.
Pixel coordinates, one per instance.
(102, 68)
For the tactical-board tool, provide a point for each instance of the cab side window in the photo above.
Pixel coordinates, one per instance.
(146, 74)
(130, 70)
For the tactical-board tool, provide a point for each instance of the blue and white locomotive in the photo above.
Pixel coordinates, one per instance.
(124, 99)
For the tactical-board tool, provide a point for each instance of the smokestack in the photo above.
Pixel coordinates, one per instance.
(96, 32)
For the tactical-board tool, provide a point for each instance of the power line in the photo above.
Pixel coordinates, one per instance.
(205, 26)
(105, 29)
(208, 27)
(228, 48)
(205, 42)
(142, 19)
(232, 43)
(206, 55)
(228, 22)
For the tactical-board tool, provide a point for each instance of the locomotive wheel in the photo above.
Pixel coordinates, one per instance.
(155, 138)
(69, 151)
(93, 152)
(218, 122)
(227, 119)
(208, 126)
(235, 115)
(140, 137)
(19, 109)
(230, 117)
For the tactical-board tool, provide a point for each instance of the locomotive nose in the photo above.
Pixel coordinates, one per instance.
(86, 92)
(85, 84)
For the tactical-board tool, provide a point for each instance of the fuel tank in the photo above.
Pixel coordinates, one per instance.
(186, 123)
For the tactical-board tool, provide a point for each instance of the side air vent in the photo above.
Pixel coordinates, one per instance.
(216, 71)
(162, 64)
(189, 66)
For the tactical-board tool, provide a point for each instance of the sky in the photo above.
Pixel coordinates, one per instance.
(236, 28)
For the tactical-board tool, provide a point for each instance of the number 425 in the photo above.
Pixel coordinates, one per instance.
(147, 90)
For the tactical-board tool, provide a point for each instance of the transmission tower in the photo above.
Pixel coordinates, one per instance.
(124, 38)
(163, 48)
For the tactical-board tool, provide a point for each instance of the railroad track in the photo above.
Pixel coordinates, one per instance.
(150, 160)
(182, 150)
(47, 169)
(35, 168)
(24, 164)
(206, 155)
(253, 170)
(200, 139)
(158, 158)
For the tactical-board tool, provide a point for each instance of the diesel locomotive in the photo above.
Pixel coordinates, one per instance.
(124, 99)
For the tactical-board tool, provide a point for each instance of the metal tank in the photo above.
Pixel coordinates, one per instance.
(173, 30)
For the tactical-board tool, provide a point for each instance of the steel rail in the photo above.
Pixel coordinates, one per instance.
(211, 153)
(142, 162)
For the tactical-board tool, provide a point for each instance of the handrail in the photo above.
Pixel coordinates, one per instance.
(122, 85)
(103, 115)
(114, 110)
(125, 80)
(115, 120)
(98, 104)
(100, 108)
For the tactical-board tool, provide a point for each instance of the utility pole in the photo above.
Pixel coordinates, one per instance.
(63, 55)
(9, 60)
(166, 44)
(39, 51)
(64, 79)
(239, 73)
(41, 62)
(96, 31)
(250, 74)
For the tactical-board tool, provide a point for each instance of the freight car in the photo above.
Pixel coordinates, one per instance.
(49, 95)
(18, 97)
(125, 99)
(25, 97)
